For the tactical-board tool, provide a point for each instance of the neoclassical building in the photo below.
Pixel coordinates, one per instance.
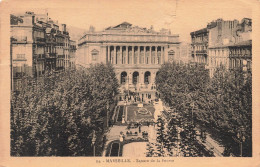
(136, 54)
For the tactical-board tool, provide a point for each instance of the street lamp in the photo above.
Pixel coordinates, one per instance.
(178, 139)
(107, 113)
(93, 143)
(241, 138)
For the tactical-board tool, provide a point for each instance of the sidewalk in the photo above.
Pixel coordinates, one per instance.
(114, 132)
(212, 145)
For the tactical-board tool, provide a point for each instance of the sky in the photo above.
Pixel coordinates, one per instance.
(180, 16)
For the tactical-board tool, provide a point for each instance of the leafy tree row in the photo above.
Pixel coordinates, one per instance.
(222, 103)
(56, 115)
(172, 142)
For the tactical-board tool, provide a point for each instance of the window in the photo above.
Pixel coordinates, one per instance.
(171, 54)
(135, 77)
(123, 77)
(94, 54)
(147, 77)
(20, 56)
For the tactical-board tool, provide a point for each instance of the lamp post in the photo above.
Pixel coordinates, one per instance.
(107, 113)
(178, 138)
(241, 138)
(93, 143)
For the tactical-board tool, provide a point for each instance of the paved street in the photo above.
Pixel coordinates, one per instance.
(138, 149)
(213, 145)
(135, 149)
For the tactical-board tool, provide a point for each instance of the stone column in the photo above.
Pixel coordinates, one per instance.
(144, 54)
(138, 55)
(108, 55)
(115, 58)
(120, 56)
(126, 55)
(133, 54)
(166, 53)
(156, 56)
(162, 54)
(150, 54)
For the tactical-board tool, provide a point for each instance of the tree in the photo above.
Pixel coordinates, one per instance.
(150, 150)
(171, 137)
(179, 84)
(56, 114)
(160, 138)
(232, 106)
(222, 104)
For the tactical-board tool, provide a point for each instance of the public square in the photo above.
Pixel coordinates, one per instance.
(129, 132)
(150, 81)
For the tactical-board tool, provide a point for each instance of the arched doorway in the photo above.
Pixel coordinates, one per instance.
(147, 77)
(157, 73)
(123, 77)
(135, 77)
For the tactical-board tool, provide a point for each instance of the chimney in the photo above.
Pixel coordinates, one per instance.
(63, 27)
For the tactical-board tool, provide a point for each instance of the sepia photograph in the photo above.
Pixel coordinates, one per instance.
(133, 80)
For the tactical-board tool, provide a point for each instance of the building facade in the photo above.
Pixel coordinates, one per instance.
(136, 54)
(226, 39)
(199, 45)
(72, 54)
(185, 53)
(240, 56)
(27, 48)
(37, 47)
(50, 48)
(213, 44)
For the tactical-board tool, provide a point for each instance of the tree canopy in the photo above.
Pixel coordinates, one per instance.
(222, 103)
(55, 115)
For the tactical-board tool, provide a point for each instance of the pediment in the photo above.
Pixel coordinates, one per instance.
(95, 50)
(126, 27)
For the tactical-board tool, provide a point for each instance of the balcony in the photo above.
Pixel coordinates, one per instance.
(50, 55)
(19, 39)
(39, 56)
(51, 40)
(61, 56)
(201, 51)
(240, 55)
(40, 40)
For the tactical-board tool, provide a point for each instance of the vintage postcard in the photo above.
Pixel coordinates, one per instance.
(129, 82)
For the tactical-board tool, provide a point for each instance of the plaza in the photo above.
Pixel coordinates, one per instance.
(135, 126)
(124, 90)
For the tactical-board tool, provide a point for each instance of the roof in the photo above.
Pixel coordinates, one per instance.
(239, 44)
(219, 46)
(124, 23)
(243, 43)
(204, 30)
